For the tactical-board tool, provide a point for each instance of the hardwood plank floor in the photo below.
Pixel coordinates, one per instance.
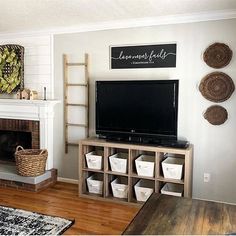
(91, 216)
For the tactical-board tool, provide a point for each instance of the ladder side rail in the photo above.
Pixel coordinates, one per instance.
(87, 94)
(65, 75)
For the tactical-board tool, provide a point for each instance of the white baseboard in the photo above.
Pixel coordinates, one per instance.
(66, 180)
(204, 199)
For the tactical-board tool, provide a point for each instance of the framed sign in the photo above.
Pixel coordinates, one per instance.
(143, 56)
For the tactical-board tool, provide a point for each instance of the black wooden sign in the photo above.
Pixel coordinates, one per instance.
(143, 56)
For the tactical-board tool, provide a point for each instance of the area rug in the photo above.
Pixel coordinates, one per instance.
(21, 222)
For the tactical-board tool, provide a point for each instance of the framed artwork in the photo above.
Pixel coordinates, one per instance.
(143, 56)
(11, 68)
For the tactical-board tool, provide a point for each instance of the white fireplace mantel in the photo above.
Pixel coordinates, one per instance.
(40, 110)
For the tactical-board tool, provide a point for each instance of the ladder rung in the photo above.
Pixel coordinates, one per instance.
(72, 144)
(78, 125)
(76, 64)
(76, 104)
(85, 85)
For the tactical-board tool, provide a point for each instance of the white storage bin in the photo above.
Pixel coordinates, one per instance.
(143, 190)
(94, 161)
(118, 162)
(95, 183)
(120, 187)
(173, 167)
(172, 189)
(145, 165)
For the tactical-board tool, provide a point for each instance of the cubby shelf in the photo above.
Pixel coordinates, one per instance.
(107, 149)
(116, 173)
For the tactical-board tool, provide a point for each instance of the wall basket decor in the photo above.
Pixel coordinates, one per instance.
(11, 68)
(216, 115)
(217, 55)
(216, 87)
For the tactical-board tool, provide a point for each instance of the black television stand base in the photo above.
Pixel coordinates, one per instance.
(146, 141)
(175, 144)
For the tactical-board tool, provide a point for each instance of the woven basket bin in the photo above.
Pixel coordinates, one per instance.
(30, 162)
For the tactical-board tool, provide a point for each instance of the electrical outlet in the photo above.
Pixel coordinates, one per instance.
(206, 177)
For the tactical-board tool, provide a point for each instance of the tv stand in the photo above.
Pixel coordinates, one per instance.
(106, 148)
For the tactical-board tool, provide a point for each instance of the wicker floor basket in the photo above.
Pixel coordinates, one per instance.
(30, 162)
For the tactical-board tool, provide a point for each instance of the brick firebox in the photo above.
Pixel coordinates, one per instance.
(31, 126)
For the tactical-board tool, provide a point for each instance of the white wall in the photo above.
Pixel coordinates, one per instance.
(214, 146)
(38, 66)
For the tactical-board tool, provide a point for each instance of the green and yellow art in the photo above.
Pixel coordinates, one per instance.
(11, 68)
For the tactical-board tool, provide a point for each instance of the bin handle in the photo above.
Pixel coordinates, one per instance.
(44, 150)
(19, 147)
(170, 168)
(120, 189)
(94, 185)
(143, 167)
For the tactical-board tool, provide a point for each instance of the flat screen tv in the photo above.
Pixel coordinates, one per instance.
(137, 110)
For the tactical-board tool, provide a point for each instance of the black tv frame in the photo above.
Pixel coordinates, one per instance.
(137, 137)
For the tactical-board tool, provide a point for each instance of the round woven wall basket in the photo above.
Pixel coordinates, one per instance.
(216, 115)
(30, 162)
(217, 55)
(216, 87)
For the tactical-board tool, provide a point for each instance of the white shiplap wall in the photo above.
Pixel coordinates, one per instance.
(38, 65)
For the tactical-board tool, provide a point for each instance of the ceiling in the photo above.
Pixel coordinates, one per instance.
(46, 15)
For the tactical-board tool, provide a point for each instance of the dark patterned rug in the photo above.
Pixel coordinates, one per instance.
(21, 222)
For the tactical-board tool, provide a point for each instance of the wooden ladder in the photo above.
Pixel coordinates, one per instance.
(67, 84)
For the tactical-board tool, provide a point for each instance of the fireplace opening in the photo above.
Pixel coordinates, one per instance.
(9, 140)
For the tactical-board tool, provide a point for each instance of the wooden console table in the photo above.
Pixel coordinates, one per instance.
(164, 214)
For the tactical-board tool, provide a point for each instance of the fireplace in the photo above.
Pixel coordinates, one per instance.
(28, 123)
(14, 132)
(29, 116)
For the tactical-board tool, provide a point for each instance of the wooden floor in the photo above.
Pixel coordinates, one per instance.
(91, 217)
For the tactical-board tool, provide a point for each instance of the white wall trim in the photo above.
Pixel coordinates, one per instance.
(131, 23)
(17, 34)
(151, 21)
(209, 200)
(52, 66)
(66, 180)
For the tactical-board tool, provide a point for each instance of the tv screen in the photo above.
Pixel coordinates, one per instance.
(137, 109)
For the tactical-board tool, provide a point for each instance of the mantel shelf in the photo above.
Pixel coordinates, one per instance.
(18, 102)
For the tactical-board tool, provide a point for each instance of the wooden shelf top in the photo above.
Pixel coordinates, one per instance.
(152, 148)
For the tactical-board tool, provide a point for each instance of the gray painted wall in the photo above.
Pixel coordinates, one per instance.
(214, 146)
